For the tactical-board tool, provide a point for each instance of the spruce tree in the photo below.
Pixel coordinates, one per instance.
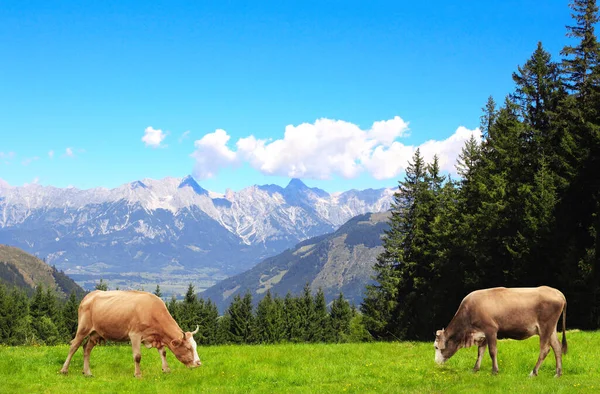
(241, 319)
(291, 318)
(157, 291)
(340, 318)
(69, 317)
(320, 321)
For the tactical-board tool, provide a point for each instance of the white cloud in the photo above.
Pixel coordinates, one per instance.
(69, 152)
(51, 154)
(211, 154)
(153, 137)
(29, 160)
(184, 136)
(327, 148)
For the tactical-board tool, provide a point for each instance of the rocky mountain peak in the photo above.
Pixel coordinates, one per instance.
(189, 181)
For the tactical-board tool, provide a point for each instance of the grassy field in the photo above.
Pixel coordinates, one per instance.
(298, 368)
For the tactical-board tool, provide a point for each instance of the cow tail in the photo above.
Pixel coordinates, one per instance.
(564, 329)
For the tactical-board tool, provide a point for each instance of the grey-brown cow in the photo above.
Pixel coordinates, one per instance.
(517, 313)
(134, 316)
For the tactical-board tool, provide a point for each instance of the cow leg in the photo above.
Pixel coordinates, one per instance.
(163, 357)
(480, 353)
(136, 342)
(492, 344)
(544, 350)
(87, 350)
(557, 348)
(82, 331)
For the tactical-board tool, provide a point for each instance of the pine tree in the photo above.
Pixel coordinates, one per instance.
(291, 318)
(189, 313)
(320, 321)
(241, 319)
(269, 320)
(306, 313)
(340, 318)
(157, 291)
(101, 285)
(69, 317)
(582, 59)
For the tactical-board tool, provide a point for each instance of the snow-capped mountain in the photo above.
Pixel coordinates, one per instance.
(172, 228)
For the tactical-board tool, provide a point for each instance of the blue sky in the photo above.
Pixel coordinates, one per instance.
(86, 80)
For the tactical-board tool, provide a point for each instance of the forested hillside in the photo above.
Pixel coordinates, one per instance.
(24, 271)
(525, 211)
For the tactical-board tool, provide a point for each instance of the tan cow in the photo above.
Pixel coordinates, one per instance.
(517, 313)
(135, 316)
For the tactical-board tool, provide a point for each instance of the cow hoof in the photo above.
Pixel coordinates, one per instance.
(167, 370)
(557, 375)
(532, 374)
(139, 376)
(64, 371)
(88, 374)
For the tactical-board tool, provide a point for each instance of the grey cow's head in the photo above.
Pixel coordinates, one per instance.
(444, 347)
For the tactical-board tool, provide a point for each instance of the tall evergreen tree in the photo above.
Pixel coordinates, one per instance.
(340, 318)
(306, 313)
(157, 291)
(69, 317)
(241, 319)
(291, 317)
(269, 320)
(320, 321)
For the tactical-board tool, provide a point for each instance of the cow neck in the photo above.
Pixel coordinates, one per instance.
(457, 325)
(174, 331)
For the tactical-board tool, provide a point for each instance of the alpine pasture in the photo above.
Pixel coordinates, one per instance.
(377, 367)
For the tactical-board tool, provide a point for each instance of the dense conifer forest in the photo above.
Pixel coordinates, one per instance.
(524, 212)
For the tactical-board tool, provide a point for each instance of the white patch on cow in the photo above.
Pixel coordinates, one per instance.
(439, 358)
(194, 347)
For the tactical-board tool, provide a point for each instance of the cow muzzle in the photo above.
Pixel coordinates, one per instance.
(439, 358)
(194, 364)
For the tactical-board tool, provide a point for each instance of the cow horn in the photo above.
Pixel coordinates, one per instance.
(196, 330)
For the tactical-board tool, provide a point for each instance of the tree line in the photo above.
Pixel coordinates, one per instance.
(524, 212)
(303, 318)
(42, 318)
(46, 318)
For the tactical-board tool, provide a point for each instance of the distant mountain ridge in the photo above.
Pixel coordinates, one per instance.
(151, 231)
(341, 261)
(22, 270)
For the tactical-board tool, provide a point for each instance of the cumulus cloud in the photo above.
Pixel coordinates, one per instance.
(153, 137)
(51, 154)
(211, 154)
(69, 152)
(327, 148)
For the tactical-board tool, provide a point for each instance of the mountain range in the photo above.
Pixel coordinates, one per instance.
(171, 231)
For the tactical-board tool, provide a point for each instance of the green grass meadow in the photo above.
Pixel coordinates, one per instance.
(404, 367)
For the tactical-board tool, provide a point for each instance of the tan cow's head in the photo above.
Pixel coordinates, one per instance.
(185, 349)
(444, 347)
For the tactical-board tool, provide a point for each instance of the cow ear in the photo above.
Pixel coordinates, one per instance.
(176, 342)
